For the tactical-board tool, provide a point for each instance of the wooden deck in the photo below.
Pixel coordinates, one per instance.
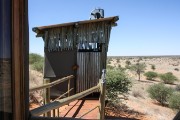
(83, 105)
(78, 108)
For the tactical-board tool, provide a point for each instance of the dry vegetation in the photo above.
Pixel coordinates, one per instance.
(138, 97)
(36, 79)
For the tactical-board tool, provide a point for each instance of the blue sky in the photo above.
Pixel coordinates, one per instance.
(145, 27)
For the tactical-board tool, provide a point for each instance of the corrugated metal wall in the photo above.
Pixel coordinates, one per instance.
(89, 71)
(58, 65)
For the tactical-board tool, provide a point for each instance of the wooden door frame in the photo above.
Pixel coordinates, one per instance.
(20, 59)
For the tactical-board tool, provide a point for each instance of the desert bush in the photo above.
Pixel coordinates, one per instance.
(150, 75)
(33, 57)
(127, 66)
(36, 61)
(178, 87)
(176, 69)
(174, 101)
(139, 59)
(108, 61)
(128, 62)
(153, 67)
(119, 66)
(38, 66)
(136, 93)
(117, 83)
(118, 60)
(109, 67)
(160, 92)
(168, 78)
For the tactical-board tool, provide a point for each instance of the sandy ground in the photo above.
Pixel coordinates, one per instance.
(138, 99)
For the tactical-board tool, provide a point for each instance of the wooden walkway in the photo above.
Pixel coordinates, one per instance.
(78, 108)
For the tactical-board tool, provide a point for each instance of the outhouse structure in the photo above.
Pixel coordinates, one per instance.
(76, 48)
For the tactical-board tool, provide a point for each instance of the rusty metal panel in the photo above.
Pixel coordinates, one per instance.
(58, 65)
(89, 71)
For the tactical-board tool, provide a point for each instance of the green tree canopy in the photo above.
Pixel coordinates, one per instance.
(138, 68)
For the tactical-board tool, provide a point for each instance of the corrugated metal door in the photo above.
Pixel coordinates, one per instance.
(88, 73)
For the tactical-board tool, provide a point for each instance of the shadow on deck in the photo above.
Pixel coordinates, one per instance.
(78, 108)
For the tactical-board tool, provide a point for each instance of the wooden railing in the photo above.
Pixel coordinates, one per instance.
(48, 85)
(59, 103)
(56, 104)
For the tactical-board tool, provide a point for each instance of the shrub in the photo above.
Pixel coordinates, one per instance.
(118, 60)
(127, 66)
(128, 62)
(38, 66)
(160, 92)
(108, 61)
(150, 75)
(119, 66)
(178, 87)
(33, 57)
(168, 78)
(109, 67)
(139, 59)
(176, 69)
(153, 67)
(174, 101)
(117, 82)
(36, 61)
(137, 94)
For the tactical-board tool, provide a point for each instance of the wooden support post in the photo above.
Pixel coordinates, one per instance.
(102, 94)
(69, 85)
(54, 112)
(47, 96)
(58, 112)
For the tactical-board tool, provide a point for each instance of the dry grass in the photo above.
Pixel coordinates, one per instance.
(138, 98)
(36, 79)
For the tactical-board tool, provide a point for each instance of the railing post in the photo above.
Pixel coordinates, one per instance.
(47, 96)
(54, 112)
(58, 112)
(102, 94)
(69, 84)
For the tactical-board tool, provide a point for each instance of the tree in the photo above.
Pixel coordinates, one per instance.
(128, 62)
(150, 75)
(138, 68)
